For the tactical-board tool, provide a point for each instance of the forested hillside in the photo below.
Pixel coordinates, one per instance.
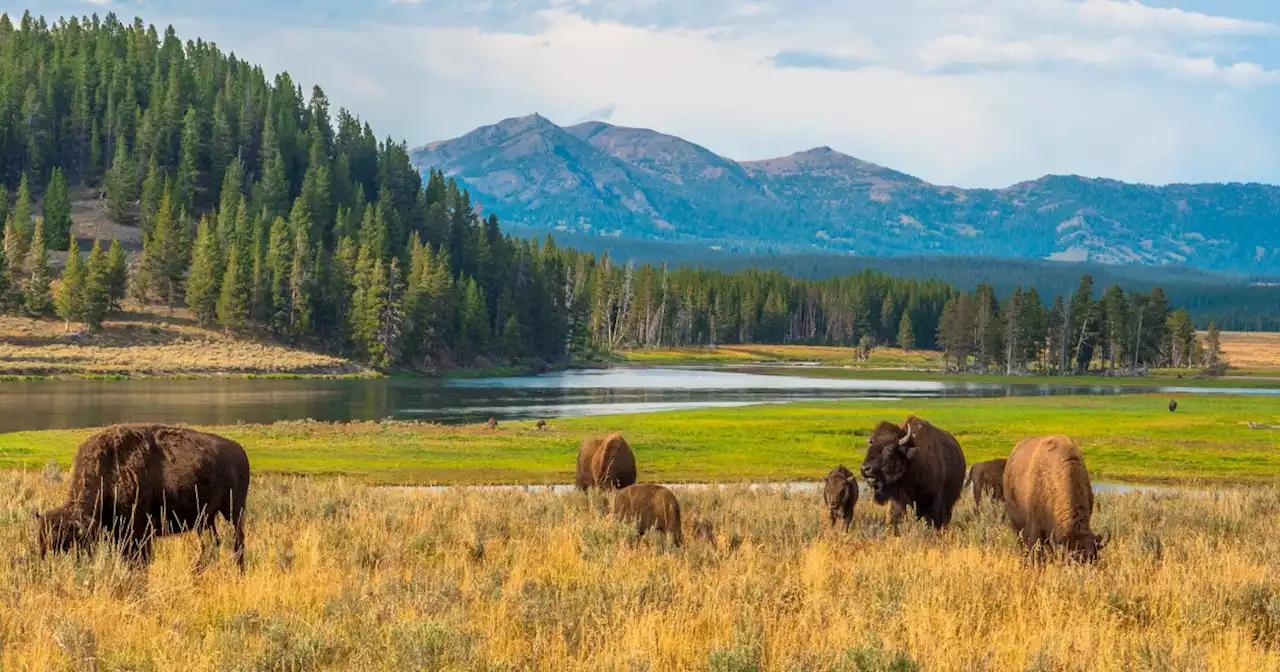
(266, 214)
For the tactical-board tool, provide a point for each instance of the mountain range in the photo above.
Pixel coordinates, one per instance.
(637, 183)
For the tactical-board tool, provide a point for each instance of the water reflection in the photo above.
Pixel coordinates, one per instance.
(78, 403)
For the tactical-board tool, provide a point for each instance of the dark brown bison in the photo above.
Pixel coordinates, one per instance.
(133, 483)
(987, 477)
(1049, 499)
(651, 507)
(542, 424)
(606, 463)
(840, 493)
(493, 422)
(1173, 405)
(917, 465)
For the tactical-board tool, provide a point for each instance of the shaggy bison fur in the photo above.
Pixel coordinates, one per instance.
(840, 493)
(1173, 405)
(1049, 499)
(132, 483)
(651, 507)
(606, 463)
(917, 465)
(987, 477)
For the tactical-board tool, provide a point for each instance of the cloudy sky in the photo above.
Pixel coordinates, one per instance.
(966, 92)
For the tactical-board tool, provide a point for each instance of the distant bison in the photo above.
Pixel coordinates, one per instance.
(840, 493)
(493, 422)
(606, 463)
(1049, 499)
(542, 424)
(987, 477)
(917, 465)
(651, 507)
(136, 482)
(1173, 405)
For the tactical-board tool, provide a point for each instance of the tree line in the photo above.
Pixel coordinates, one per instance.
(264, 213)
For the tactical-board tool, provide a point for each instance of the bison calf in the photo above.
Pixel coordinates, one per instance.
(1049, 499)
(650, 506)
(840, 493)
(987, 477)
(132, 483)
(606, 463)
(915, 465)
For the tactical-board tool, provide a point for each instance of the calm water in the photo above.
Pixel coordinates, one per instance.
(74, 403)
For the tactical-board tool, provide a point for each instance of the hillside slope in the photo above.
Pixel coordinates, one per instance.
(637, 183)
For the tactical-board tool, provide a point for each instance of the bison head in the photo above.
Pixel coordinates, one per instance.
(59, 531)
(889, 453)
(1085, 546)
(836, 487)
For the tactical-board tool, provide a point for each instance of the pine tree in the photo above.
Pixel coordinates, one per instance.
(301, 286)
(69, 299)
(512, 339)
(206, 274)
(57, 211)
(190, 178)
(7, 304)
(14, 248)
(36, 296)
(906, 332)
(473, 321)
(97, 288)
(117, 275)
(1182, 339)
(154, 189)
(22, 225)
(122, 185)
(1212, 347)
(279, 265)
(233, 301)
(164, 262)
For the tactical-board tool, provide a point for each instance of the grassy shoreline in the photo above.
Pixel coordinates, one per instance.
(1131, 439)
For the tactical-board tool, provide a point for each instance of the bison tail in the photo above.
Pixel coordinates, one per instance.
(673, 522)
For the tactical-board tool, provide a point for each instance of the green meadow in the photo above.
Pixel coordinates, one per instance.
(1130, 438)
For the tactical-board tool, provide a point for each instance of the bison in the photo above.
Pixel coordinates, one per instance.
(133, 483)
(917, 465)
(988, 476)
(542, 424)
(840, 493)
(1049, 500)
(1173, 405)
(493, 422)
(650, 506)
(606, 464)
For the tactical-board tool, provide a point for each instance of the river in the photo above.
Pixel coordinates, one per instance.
(60, 404)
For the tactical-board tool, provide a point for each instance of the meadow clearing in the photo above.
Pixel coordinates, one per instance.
(344, 576)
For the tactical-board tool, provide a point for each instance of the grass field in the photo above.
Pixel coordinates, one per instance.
(146, 341)
(1125, 438)
(345, 577)
(882, 358)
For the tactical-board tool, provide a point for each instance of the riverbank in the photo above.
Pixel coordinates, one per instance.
(1132, 439)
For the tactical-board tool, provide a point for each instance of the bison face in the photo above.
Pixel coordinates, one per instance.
(1084, 546)
(58, 532)
(835, 490)
(889, 453)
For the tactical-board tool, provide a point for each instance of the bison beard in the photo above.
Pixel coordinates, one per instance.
(136, 482)
(916, 465)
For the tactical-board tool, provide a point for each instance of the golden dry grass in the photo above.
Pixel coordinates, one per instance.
(1251, 349)
(149, 341)
(347, 577)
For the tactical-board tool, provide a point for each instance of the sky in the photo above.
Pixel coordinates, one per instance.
(973, 93)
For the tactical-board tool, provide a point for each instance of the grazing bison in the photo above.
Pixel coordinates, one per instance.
(493, 422)
(987, 476)
(542, 424)
(137, 482)
(1173, 405)
(650, 506)
(840, 493)
(1049, 499)
(917, 465)
(606, 463)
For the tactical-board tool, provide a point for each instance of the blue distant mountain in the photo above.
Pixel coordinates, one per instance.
(640, 184)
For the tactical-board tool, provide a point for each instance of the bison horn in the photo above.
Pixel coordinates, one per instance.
(906, 438)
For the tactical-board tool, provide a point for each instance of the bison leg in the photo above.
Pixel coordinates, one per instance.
(848, 520)
(896, 510)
